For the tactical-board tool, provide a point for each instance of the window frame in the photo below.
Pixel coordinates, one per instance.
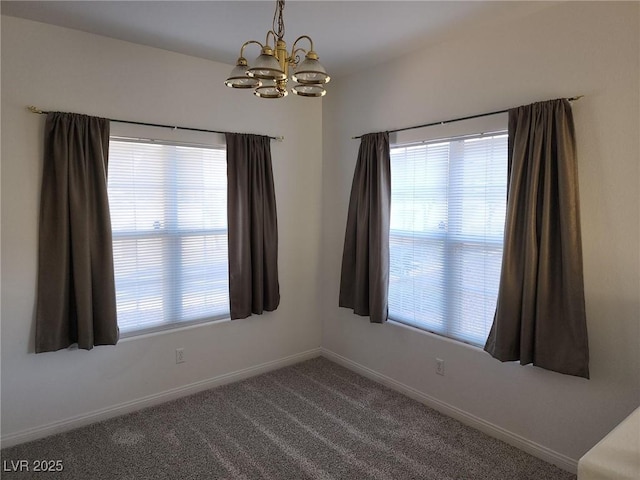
(172, 238)
(450, 241)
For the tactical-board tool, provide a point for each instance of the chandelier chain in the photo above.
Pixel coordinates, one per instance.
(278, 20)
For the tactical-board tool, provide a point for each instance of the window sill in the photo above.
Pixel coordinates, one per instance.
(396, 323)
(171, 328)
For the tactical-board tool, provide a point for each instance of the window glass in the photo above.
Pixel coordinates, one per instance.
(448, 204)
(168, 207)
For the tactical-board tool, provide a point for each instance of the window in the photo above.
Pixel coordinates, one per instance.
(169, 217)
(448, 204)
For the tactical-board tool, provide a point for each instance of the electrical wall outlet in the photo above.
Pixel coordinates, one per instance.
(179, 355)
(439, 366)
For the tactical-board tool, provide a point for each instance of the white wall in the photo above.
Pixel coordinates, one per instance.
(559, 51)
(60, 69)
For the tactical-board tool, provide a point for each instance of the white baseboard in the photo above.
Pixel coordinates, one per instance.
(67, 424)
(533, 448)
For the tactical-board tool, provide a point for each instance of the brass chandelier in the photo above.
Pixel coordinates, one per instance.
(269, 74)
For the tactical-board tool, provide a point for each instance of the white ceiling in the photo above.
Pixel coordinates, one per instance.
(348, 35)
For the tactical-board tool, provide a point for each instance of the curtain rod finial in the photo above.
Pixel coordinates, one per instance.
(33, 109)
(280, 138)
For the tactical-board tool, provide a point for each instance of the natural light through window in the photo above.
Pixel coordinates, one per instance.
(169, 218)
(448, 205)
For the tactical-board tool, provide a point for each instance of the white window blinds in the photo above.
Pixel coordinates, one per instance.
(169, 217)
(448, 204)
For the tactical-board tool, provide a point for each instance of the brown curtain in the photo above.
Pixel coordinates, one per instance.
(76, 289)
(364, 283)
(253, 226)
(540, 315)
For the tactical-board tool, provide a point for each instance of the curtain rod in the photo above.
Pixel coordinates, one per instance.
(444, 122)
(33, 109)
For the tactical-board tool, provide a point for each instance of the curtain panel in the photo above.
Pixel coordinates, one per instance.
(76, 301)
(540, 314)
(253, 226)
(364, 282)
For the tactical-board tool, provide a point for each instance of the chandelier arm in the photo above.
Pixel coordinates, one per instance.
(293, 48)
(275, 38)
(292, 58)
(249, 43)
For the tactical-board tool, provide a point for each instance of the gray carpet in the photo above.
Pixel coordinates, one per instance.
(313, 420)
